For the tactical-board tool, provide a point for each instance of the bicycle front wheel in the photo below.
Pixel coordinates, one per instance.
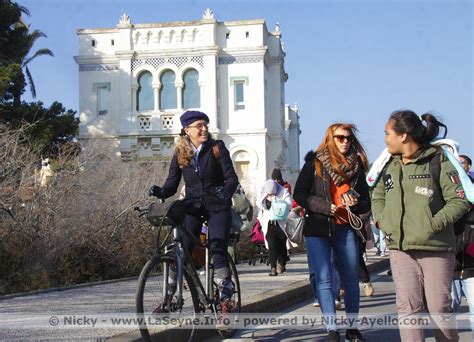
(153, 304)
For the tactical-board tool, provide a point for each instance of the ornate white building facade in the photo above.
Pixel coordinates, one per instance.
(136, 80)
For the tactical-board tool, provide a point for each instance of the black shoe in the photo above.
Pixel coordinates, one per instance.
(273, 272)
(333, 336)
(353, 335)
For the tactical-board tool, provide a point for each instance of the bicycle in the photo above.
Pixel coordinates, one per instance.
(190, 295)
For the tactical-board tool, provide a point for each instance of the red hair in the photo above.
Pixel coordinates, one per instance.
(336, 157)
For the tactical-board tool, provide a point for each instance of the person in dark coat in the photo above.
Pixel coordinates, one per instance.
(206, 167)
(464, 265)
(325, 188)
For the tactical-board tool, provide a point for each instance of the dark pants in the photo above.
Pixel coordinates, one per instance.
(276, 240)
(218, 223)
(364, 275)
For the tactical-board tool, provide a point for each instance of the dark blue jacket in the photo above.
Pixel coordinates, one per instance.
(214, 175)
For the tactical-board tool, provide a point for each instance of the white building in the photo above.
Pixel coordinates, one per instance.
(137, 79)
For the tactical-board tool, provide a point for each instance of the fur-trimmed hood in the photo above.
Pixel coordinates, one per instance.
(309, 156)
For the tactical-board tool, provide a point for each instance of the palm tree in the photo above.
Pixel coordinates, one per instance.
(21, 52)
(16, 44)
(31, 38)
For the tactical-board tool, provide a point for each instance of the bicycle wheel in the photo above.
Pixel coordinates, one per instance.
(235, 299)
(151, 304)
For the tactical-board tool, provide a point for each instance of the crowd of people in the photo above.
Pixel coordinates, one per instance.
(413, 194)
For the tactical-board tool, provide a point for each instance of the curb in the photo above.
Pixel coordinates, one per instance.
(268, 301)
(65, 288)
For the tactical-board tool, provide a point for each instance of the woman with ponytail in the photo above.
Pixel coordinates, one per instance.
(331, 187)
(210, 179)
(417, 213)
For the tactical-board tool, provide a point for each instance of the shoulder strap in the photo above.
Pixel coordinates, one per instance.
(384, 170)
(215, 151)
(435, 170)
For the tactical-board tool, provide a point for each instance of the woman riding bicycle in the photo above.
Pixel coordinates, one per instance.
(209, 177)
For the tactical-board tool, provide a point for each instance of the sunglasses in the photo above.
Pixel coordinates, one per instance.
(342, 138)
(200, 125)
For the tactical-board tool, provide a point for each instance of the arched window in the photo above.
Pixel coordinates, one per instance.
(168, 91)
(191, 91)
(145, 92)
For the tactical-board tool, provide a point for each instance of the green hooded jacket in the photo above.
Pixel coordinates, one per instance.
(401, 204)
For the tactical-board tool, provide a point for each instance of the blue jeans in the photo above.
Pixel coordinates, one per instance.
(336, 280)
(465, 286)
(380, 243)
(346, 250)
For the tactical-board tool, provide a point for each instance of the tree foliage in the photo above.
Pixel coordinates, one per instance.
(16, 43)
(49, 128)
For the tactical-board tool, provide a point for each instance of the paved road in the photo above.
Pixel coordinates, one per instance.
(28, 317)
(382, 301)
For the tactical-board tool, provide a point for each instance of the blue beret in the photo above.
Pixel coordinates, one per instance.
(190, 116)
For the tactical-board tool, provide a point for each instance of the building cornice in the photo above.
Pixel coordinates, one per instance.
(243, 22)
(103, 59)
(96, 30)
(148, 25)
(247, 51)
(81, 31)
(176, 23)
(173, 52)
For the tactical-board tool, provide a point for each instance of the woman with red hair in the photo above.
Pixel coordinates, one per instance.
(332, 180)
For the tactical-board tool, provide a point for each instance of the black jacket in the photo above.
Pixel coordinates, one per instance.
(313, 194)
(464, 265)
(214, 175)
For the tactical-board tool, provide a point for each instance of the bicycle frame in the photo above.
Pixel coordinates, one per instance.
(183, 255)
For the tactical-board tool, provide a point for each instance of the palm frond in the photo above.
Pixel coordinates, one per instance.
(40, 52)
(23, 9)
(37, 34)
(30, 81)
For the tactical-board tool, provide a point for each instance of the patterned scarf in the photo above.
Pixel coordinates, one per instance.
(352, 160)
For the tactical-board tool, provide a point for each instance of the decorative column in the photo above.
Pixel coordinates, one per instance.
(156, 96)
(134, 98)
(179, 97)
(201, 93)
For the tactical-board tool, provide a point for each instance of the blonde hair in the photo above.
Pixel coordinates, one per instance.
(336, 157)
(184, 152)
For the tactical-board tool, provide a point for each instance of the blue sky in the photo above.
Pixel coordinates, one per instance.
(353, 60)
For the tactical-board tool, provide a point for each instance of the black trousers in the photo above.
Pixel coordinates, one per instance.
(364, 275)
(218, 223)
(276, 240)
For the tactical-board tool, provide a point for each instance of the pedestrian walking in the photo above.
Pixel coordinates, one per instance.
(364, 275)
(463, 282)
(417, 213)
(466, 163)
(274, 203)
(332, 180)
(278, 177)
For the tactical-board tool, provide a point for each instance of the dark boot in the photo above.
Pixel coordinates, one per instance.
(281, 269)
(333, 336)
(273, 272)
(353, 335)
